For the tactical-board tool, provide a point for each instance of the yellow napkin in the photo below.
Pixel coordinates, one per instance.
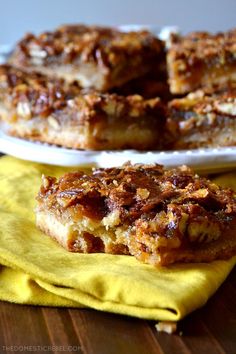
(35, 270)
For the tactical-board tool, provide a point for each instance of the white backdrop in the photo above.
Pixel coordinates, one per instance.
(19, 16)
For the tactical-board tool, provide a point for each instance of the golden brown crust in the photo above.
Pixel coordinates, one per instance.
(205, 118)
(157, 214)
(46, 109)
(120, 56)
(201, 59)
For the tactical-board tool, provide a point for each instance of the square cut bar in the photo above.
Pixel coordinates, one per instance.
(97, 57)
(205, 118)
(159, 216)
(50, 110)
(201, 59)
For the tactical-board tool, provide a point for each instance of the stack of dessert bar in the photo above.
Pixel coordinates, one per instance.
(90, 87)
(60, 88)
(203, 66)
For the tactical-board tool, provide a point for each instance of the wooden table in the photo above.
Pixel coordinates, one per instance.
(210, 330)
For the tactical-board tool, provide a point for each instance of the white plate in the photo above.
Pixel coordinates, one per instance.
(202, 160)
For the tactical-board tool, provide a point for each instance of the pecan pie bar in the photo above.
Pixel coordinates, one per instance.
(205, 118)
(201, 59)
(53, 111)
(159, 216)
(97, 57)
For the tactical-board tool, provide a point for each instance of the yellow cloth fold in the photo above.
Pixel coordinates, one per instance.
(34, 269)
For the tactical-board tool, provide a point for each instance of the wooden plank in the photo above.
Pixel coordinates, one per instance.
(104, 333)
(171, 343)
(232, 278)
(228, 297)
(61, 331)
(197, 337)
(221, 320)
(22, 326)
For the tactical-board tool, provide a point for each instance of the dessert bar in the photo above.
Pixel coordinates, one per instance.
(205, 118)
(50, 110)
(201, 59)
(97, 57)
(159, 216)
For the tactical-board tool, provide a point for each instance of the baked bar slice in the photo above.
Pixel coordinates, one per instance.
(97, 57)
(201, 59)
(49, 110)
(159, 216)
(205, 118)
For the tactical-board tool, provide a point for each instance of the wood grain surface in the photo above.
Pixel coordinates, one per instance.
(210, 330)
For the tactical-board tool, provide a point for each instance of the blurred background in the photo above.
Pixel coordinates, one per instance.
(20, 16)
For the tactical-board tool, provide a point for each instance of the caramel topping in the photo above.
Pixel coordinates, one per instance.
(204, 47)
(78, 43)
(33, 94)
(159, 202)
